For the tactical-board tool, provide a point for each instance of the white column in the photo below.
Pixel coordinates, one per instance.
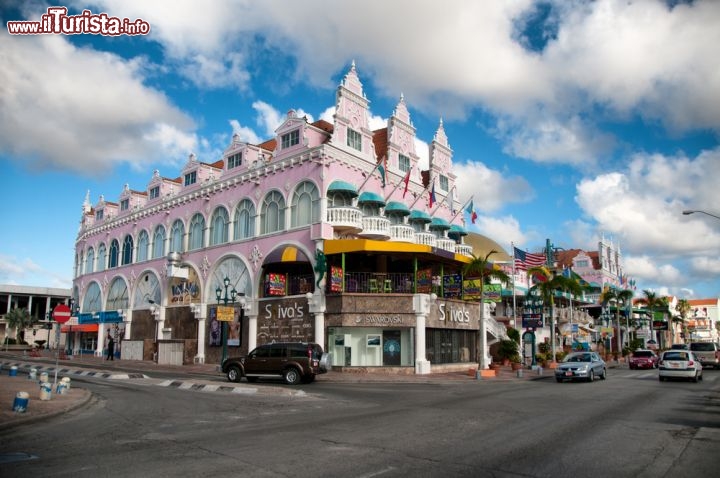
(251, 313)
(128, 324)
(316, 306)
(421, 307)
(100, 341)
(199, 313)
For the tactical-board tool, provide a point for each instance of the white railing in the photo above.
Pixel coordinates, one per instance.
(463, 249)
(445, 244)
(402, 233)
(375, 227)
(344, 218)
(425, 239)
(495, 328)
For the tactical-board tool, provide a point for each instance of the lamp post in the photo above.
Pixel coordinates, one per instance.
(225, 298)
(690, 211)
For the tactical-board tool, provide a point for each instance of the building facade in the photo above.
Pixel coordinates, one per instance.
(324, 233)
(39, 302)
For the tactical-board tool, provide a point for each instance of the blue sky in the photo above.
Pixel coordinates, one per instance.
(568, 120)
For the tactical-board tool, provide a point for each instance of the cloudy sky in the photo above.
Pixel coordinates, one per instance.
(568, 119)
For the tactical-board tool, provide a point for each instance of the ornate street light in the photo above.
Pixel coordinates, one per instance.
(688, 212)
(225, 298)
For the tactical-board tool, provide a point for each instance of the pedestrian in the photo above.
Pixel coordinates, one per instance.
(110, 347)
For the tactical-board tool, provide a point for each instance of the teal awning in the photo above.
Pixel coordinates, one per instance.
(457, 231)
(439, 223)
(343, 186)
(397, 207)
(369, 197)
(419, 216)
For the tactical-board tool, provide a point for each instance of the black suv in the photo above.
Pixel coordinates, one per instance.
(294, 362)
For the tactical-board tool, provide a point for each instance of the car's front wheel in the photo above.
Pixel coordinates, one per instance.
(233, 373)
(291, 376)
(603, 375)
(695, 378)
(591, 376)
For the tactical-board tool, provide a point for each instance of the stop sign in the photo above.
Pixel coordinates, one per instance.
(61, 314)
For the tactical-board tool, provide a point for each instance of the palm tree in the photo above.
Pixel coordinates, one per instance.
(683, 308)
(483, 269)
(621, 298)
(549, 284)
(18, 319)
(652, 302)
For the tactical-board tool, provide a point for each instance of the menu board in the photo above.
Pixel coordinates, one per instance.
(276, 284)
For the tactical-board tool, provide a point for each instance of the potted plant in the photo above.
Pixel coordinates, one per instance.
(507, 351)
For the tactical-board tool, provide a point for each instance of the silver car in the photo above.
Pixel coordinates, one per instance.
(679, 364)
(581, 366)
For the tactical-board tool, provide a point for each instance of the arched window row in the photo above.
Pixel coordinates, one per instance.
(304, 209)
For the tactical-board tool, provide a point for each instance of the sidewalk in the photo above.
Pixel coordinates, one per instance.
(128, 369)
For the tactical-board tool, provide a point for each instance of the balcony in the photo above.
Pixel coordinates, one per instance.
(463, 249)
(346, 219)
(375, 227)
(445, 244)
(402, 233)
(425, 239)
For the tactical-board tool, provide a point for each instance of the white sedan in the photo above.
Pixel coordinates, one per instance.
(679, 364)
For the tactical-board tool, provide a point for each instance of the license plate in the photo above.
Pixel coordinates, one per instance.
(674, 365)
(568, 374)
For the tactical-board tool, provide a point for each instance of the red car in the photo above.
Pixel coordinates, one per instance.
(643, 359)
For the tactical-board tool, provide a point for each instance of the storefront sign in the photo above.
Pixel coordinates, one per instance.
(225, 314)
(379, 320)
(451, 313)
(276, 284)
(532, 321)
(336, 277)
(424, 281)
(285, 321)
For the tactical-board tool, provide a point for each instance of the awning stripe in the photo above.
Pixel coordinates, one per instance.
(79, 328)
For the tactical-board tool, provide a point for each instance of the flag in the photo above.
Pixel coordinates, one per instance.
(383, 170)
(470, 210)
(406, 180)
(525, 260)
(432, 196)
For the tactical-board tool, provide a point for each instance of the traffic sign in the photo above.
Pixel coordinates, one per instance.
(61, 313)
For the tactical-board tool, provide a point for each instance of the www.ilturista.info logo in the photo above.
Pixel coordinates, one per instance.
(57, 22)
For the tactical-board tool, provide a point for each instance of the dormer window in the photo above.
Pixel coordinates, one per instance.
(234, 160)
(403, 163)
(155, 192)
(99, 214)
(444, 183)
(354, 139)
(290, 139)
(190, 178)
(125, 204)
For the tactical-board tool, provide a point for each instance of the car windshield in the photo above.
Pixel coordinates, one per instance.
(579, 358)
(675, 356)
(702, 347)
(642, 353)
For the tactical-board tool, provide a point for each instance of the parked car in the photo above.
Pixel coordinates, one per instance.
(643, 359)
(708, 353)
(581, 366)
(679, 364)
(293, 362)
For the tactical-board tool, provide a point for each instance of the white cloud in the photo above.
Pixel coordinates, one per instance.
(503, 230)
(64, 107)
(491, 189)
(245, 133)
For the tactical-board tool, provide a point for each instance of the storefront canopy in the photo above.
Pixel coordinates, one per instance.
(343, 186)
(369, 197)
(79, 328)
(286, 254)
(397, 207)
(419, 216)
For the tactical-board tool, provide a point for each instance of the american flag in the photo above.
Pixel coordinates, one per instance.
(525, 260)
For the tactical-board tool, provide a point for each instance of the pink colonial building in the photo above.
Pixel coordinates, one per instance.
(323, 233)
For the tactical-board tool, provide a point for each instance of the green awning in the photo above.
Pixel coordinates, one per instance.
(457, 231)
(397, 207)
(419, 216)
(343, 186)
(439, 223)
(369, 197)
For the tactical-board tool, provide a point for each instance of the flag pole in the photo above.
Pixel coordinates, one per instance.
(443, 202)
(462, 208)
(369, 175)
(397, 185)
(420, 195)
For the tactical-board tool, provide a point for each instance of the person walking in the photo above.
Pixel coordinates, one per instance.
(110, 347)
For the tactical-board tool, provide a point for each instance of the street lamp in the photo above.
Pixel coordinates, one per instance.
(225, 298)
(690, 211)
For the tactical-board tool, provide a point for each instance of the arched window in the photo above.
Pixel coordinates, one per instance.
(143, 246)
(90, 261)
(219, 226)
(117, 295)
(92, 302)
(196, 232)
(102, 258)
(127, 251)
(305, 205)
(272, 217)
(158, 249)
(177, 231)
(245, 220)
(114, 254)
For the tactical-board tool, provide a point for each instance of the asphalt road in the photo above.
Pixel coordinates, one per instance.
(629, 425)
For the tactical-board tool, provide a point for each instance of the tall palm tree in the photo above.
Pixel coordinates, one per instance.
(549, 284)
(652, 303)
(481, 268)
(683, 309)
(18, 319)
(621, 298)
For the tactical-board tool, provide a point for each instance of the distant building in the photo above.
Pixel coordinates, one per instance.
(39, 302)
(702, 320)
